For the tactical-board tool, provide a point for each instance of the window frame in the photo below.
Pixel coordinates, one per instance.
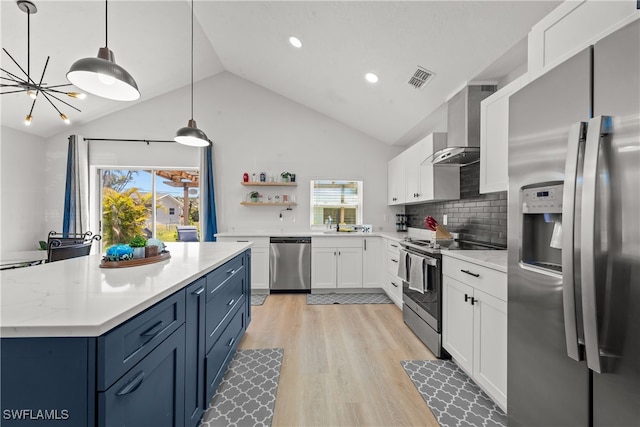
(359, 206)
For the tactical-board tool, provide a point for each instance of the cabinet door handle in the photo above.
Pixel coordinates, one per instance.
(132, 385)
(466, 297)
(394, 246)
(231, 302)
(365, 244)
(199, 291)
(393, 283)
(232, 271)
(473, 300)
(394, 260)
(231, 341)
(334, 253)
(470, 273)
(153, 331)
(339, 253)
(242, 241)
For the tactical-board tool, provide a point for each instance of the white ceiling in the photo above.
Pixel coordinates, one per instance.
(458, 41)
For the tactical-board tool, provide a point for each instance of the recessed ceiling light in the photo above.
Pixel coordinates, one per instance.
(295, 42)
(371, 78)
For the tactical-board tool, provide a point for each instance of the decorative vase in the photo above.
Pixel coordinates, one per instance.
(150, 251)
(138, 252)
(292, 177)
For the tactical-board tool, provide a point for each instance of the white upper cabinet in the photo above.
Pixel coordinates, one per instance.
(396, 180)
(494, 138)
(573, 26)
(421, 180)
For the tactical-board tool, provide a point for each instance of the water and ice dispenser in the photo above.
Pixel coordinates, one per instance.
(541, 210)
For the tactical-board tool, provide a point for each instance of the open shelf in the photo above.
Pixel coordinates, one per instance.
(267, 204)
(269, 184)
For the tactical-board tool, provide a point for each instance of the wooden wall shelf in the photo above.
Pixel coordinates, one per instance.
(267, 204)
(269, 184)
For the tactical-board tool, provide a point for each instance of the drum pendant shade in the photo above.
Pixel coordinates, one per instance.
(101, 76)
(191, 135)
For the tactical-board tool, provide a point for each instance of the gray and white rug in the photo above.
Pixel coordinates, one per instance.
(246, 395)
(454, 399)
(258, 299)
(376, 298)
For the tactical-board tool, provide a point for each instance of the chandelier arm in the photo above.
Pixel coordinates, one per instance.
(51, 102)
(13, 77)
(13, 91)
(28, 43)
(18, 65)
(61, 100)
(44, 70)
(32, 105)
(54, 86)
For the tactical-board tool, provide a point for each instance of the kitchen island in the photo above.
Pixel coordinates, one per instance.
(147, 345)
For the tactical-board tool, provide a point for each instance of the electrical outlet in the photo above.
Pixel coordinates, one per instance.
(444, 219)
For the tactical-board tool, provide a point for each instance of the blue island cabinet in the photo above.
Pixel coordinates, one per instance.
(159, 368)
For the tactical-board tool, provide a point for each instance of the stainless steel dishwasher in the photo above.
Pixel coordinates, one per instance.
(290, 264)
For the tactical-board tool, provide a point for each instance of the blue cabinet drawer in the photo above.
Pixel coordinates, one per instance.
(223, 274)
(150, 394)
(226, 298)
(220, 354)
(121, 348)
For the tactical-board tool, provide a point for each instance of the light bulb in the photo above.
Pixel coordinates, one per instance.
(371, 78)
(77, 95)
(65, 118)
(27, 120)
(105, 79)
(295, 42)
(32, 94)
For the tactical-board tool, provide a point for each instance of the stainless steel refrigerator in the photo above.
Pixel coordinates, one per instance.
(574, 240)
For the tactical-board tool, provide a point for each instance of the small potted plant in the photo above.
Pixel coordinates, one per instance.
(286, 176)
(138, 243)
(254, 195)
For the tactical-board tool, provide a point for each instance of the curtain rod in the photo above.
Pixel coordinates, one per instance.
(128, 140)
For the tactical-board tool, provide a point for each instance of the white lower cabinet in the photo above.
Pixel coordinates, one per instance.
(371, 269)
(336, 262)
(475, 323)
(259, 258)
(393, 284)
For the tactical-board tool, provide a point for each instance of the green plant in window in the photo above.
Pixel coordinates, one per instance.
(123, 214)
(138, 242)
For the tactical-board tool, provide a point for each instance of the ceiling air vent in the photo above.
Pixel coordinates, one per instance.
(420, 77)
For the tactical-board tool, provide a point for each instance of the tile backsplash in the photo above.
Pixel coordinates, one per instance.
(475, 216)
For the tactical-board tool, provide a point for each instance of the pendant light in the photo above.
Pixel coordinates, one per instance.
(101, 76)
(190, 134)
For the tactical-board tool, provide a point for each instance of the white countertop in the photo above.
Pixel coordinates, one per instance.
(76, 297)
(314, 233)
(496, 260)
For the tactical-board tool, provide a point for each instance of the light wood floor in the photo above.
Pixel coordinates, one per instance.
(341, 363)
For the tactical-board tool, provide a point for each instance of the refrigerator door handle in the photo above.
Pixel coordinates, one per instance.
(576, 142)
(596, 129)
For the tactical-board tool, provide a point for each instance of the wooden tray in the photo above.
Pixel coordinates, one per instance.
(136, 262)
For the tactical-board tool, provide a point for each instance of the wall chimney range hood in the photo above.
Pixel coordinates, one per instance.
(463, 127)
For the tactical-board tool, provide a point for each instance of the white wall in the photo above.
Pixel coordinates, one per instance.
(22, 177)
(253, 130)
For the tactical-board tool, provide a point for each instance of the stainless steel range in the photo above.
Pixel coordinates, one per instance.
(421, 272)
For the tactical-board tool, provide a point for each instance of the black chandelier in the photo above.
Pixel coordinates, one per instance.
(16, 83)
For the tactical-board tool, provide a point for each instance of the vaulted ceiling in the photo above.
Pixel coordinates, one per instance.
(342, 40)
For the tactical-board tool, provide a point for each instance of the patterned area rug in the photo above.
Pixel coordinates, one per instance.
(246, 395)
(258, 299)
(453, 398)
(377, 298)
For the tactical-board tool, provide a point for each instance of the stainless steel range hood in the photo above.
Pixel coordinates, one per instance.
(463, 127)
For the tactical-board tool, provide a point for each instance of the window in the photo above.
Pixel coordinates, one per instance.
(336, 202)
(147, 202)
